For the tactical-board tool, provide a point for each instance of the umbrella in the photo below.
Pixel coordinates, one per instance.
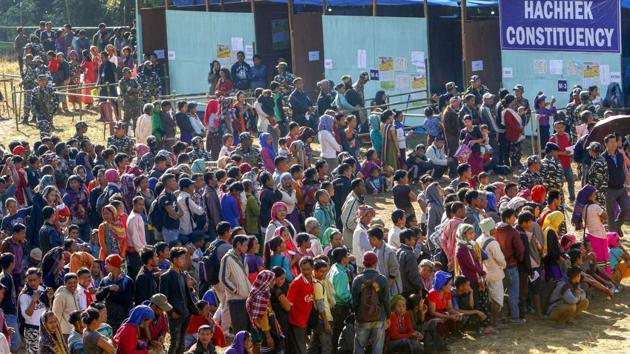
(616, 124)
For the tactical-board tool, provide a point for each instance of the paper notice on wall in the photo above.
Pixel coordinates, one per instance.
(540, 66)
(387, 79)
(361, 58)
(403, 82)
(604, 74)
(477, 65)
(171, 55)
(385, 63)
(417, 58)
(400, 64)
(591, 70)
(249, 52)
(237, 44)
(418, 82)
(159, 53)
(508, 73)
(313, 55)
(573, 68)
(328, 64)
(421, 70)
(374, 75)
(615, 76)
(555, 66)
(223, 54)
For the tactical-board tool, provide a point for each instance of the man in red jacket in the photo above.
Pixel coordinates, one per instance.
(513, 251)
(563, 140)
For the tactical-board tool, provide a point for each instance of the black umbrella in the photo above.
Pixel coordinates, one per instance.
(619, 125)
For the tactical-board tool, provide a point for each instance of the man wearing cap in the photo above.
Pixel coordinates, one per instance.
(451, 91)
(470, 109)
(159, 326)
(488, 116)
(585, 104)
(117, 290)
(45, 103)
(551, 168)
(47, 37)
(284, 78)
(198, 152)
(563, 141)
(29, 82)
(123, 143)
(476, 88)
(359, 87)
(370, 330)
(521, 101)
(452, 125)
(130, 93)
(18, 44)
(247, 151)
(300, 104)
(570, 112)
(149, 82)
(531, 177)
(596, 173)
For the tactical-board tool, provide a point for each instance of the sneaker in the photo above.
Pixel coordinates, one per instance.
(519, 321)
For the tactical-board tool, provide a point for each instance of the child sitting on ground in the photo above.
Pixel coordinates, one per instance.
(484, 180)
(401, 333)
(463, 301)
(617, 254)
(375, 181)
(371, 160)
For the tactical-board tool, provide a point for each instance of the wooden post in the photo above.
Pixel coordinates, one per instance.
(427, 56)
(373, 7)
(253, 5)
(166, 4)
(207, 5)
(464, 58)
(291, 36)
(324, 7)
(222, 4)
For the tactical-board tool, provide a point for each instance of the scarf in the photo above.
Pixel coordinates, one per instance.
(54, 342)
(238, 345)
(441, 279)
(258, 301)
(462, 229)
(326, 122)
(141, 149)
(434, 199)
(268, 147)
(552, 223)
(139, 314)
(198, 166)
(581, 203)
(275, 208)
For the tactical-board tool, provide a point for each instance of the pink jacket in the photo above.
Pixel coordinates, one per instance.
(448, 239)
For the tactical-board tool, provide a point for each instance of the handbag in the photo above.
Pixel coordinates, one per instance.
(462, 153)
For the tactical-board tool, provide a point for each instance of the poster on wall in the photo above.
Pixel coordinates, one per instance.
(418, 82)
(385, 63)
(280, 34)
(590, 74)
(540, 66)
(400, 64)
(223, 54)
(417, 58)
(573, 68)
(387, 79)
(555, 66)
(403, 81)
(570, 26)
(508, 73)
(374, 75)
(361, 58)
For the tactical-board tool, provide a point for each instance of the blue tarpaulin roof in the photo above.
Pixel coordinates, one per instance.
(453, 3)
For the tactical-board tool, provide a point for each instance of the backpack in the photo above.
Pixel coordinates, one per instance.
(579, 151)
(210, 264)
(156, 215)
(370, 308)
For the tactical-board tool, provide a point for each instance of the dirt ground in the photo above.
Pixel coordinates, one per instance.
(603, 328)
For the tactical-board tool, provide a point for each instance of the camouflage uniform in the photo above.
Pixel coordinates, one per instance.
(477, 92)
(597, 176)
(45, 103)
(199, 153)
(552, 173)
(572, 120)
(146, 161)
(124, 144)
(131, 101)
(285, 79)
(151, 86)
(29, 82)
(529, 179)
(251, 156)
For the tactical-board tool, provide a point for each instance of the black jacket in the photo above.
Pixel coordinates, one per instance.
(146, 286)
(411, 282)
(183, 304)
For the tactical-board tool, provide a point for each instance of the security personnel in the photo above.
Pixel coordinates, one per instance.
(45, 103)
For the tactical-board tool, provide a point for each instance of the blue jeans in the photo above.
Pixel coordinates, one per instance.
(513, 292)
(12, 321)
(369, 333)
(170, 235)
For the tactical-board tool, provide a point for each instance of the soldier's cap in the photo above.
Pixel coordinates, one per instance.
(450, 85)
(519, 87)
(81, 125)
(584, 95)
(197, 140)
(147, 63)
(549, 147)
(42, 77)
(28, 45)
(161, 301)
(37, 59)
(532, 160)
(119, 125)
(60, 53)
(282, 64)
(365, 75)
(559, 122)
(474, 78)
(126, 70)
(245, 136)
(595, 146)
(297, 79)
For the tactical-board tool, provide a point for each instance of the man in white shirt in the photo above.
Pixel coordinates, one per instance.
(32, 307)
(144, 125)
(86, 297)
(440, 160)
(188, 208)
(393, 237)
(136, 237)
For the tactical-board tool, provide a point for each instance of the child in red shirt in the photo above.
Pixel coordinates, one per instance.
(301, 298)
(203, 318)
(400, 333)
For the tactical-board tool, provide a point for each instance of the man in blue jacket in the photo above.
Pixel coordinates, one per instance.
(241, 72)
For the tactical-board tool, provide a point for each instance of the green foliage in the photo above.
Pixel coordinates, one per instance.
(87, 13)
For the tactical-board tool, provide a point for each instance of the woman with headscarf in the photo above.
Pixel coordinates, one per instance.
(440, 304)
(551, 246)
(435, 206)
(51, 340)
(389, 149)
(290, 199)
(267, 152)
(326, 137)
(141, 149)
(468, 259)
(76, 199)
(74, 80)
(278, 219)
(297, 151)
(53, 268)
(212, 122)
(376, 136)
(491, 207)
(127, 338)
(593, 216)
(49, 196)
(242, 344)
(112, 238)
(260, 313)
(306, 136)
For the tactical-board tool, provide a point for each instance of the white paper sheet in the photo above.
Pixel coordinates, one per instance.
(313, 55)
(604, 74)
(159, 53)
(171, 55)
(361, 58)
(400, 64)
(508, 73)
(477, 65)
(417, 58)
(540, 66)
(328, 63)
(615, 76)
(237, 44)
(556, 66)
(403, 82)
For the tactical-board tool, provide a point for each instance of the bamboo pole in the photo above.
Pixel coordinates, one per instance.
(373, 7)
(464, 14)
(207, 6)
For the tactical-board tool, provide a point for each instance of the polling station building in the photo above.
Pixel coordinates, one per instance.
(406, 45)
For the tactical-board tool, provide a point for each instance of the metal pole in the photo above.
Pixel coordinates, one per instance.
(324, 7)
(427, 56)
(222, 5)
(138, 32)
(373, 7)
(291, 35)
(207, 6)
(253, 5)
(464, 58)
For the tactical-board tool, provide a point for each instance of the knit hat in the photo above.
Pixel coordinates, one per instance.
(114, 260)
(551, 147)
(486, 225)
(369, 259)
(538, 193)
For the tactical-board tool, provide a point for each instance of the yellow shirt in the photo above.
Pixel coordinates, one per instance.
(321, 294)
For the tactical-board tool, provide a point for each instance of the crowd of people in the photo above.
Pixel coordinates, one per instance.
(270, 248)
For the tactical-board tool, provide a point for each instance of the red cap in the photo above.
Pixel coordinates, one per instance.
(114, 260)
(18, 150)
(369, 259)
